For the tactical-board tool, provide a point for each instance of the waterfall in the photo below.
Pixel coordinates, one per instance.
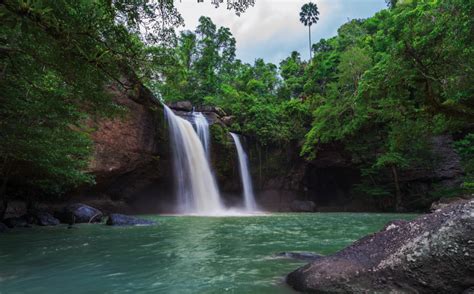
(202, 128)
(249, 198)
(196, 187)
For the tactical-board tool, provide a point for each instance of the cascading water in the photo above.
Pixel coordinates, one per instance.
(202, 128)
(249, 198)
(196, 187)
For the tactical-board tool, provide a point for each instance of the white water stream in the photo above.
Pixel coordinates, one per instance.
(249, 197)
(196, 187)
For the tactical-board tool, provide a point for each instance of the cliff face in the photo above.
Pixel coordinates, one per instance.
(124, 144)
(281, 177)
(131, 155)
(133, 168)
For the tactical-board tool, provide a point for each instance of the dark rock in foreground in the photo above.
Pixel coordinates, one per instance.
(3, 227)
(17, 222)
(43, 218)
(306, 256)
(432, 254)
(80, 213)
(125, 220)
(302, 206)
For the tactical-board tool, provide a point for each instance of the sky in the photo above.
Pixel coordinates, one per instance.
(271, 29)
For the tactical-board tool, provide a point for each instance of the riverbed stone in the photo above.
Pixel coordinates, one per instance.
(80, 213)
(431, 254)
(116, 219)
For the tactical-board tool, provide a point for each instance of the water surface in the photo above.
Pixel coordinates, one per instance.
(183, 254)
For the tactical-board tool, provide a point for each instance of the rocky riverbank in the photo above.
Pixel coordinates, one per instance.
(71, 214)
(431, 254)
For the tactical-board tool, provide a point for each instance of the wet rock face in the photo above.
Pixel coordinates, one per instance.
(80, 213)
(432, 254)
(131, 151)
(303, 206)
(181, 105)
(126, 220)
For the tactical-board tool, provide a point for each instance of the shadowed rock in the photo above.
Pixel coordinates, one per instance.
(43, 218)
(16, 222)
(181, 105)
(3, 227)
(125, 220)
(80, 213)
(432, 254)
(302, 206)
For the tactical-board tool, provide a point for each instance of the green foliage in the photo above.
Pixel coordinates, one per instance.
(465, 148)
(206, 72)
(385, 85)
(309, 14)
(57, 59)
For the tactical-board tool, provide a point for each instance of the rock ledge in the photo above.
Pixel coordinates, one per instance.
(431, 254)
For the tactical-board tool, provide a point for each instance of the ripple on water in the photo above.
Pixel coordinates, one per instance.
(185, 254)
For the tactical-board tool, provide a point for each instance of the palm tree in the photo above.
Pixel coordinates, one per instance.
(309, 16)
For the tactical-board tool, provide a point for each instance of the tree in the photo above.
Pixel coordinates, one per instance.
(292, 72)
(309, 16)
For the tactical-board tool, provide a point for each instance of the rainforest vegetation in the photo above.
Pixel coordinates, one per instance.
(382, 87)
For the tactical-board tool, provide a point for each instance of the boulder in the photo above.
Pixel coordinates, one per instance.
(207, 108)
(305, 256)
(43, 218)
(228, 120)
(3, 228)
(16, 222)
(431, 254)
(302, 206)
(443, 203)
(181, 105)
(80, 213)
(116, 219)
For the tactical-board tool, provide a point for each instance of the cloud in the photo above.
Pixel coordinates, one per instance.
(271, 29)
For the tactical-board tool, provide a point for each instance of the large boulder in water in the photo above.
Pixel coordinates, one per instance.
(80, 213)
(116, 219)
(432, 254)
(302, 206)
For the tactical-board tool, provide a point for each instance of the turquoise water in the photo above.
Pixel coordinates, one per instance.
(182, 255)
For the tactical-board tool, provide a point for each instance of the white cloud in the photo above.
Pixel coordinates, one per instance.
(271, 29)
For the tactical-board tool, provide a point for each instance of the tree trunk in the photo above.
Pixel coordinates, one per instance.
(398, 193)
(310, 51)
